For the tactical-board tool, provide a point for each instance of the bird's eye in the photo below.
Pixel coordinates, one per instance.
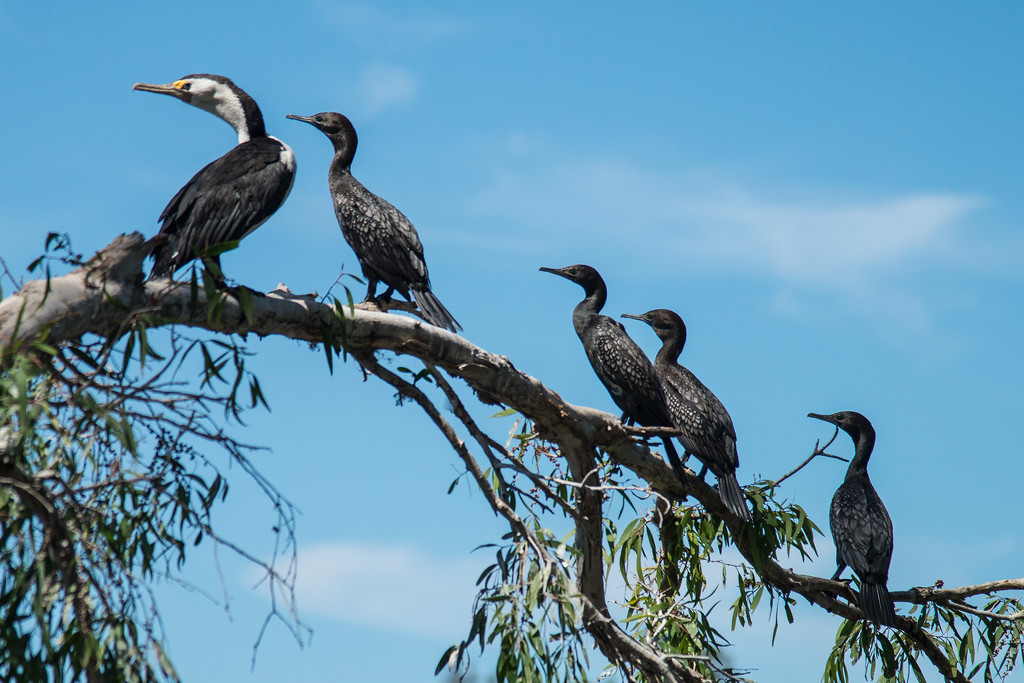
(186, 85)
(318, 118)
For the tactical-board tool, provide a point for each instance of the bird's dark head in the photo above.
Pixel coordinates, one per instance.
(666, 324)
(585, 276)
(217, 95)
(849, 421)
(335, 126)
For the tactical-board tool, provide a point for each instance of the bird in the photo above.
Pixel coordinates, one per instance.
(231, 196)
(861, 526)
(707, 429)
(385, 242)
(619, 363)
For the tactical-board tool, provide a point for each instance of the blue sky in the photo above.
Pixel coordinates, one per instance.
(830, 197)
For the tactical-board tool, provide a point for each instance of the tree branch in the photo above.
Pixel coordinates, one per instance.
(819, 450)
(106, 294)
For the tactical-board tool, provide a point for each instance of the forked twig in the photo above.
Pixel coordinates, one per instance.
(818, 450)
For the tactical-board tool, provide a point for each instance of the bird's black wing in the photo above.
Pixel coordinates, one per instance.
(862, 530)
(707, 428)
(385, 241)
(225, 201)
(625, 371)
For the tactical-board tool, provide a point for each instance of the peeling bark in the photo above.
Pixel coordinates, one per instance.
(102, 297)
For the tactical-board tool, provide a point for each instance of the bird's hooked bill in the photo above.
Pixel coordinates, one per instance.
(306, 119)
(172, 89)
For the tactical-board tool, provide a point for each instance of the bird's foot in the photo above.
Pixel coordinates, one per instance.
(375, 303)
(235, 290)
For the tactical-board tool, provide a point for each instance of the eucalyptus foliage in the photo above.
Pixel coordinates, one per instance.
(112, 458)
(109, 475)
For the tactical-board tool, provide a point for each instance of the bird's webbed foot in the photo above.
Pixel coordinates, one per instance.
(371, 291)
(380, 301)
(235, 290)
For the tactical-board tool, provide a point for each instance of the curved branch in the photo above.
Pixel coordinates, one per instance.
(922, 595)
(819, 450)
(102, 296)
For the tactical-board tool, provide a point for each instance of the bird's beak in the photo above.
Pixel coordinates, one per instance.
(306, 119)
(556, 271)
(634, 317)
(172, 89)
(825, 418)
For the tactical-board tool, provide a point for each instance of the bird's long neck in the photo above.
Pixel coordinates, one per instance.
(590, 306)
(341, 168)
(345, 144)
(671, 346)
(243, 114)
(862, 453)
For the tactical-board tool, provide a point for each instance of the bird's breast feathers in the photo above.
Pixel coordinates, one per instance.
(287, 155)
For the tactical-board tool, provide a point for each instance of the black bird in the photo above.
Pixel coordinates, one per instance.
(707, 429)
(232, 196)
(860, 523)
(619, 363)
(385, 242)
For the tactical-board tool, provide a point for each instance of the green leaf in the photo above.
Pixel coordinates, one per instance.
(245, 303)
(215, 250)
(447, 659)
(888, 656)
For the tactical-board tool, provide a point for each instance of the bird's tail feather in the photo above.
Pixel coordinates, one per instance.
(876, 603)
(434, 311)
(732, 495)
(162, 272)
(163, 266)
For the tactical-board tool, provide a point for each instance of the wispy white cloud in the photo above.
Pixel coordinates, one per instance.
(382, 86)
(389, 586)
(868, 253)
(373, 27)
(841, 243)
(710, 223)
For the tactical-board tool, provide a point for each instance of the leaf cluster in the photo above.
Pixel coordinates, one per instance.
(104, 488)
(987, 646)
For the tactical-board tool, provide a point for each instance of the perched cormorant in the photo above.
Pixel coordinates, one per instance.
(619, 363)
(385, 242)
(860, 523)
(705, 423)
(232, 196)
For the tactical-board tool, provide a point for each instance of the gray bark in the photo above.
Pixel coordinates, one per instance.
(102, 296)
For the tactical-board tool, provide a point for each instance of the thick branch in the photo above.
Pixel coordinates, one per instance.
(930, 594)
(70, 306)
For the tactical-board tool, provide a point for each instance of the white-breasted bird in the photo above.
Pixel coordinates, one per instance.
(231, 196)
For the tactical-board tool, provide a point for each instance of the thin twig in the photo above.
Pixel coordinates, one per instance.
(818, 451)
